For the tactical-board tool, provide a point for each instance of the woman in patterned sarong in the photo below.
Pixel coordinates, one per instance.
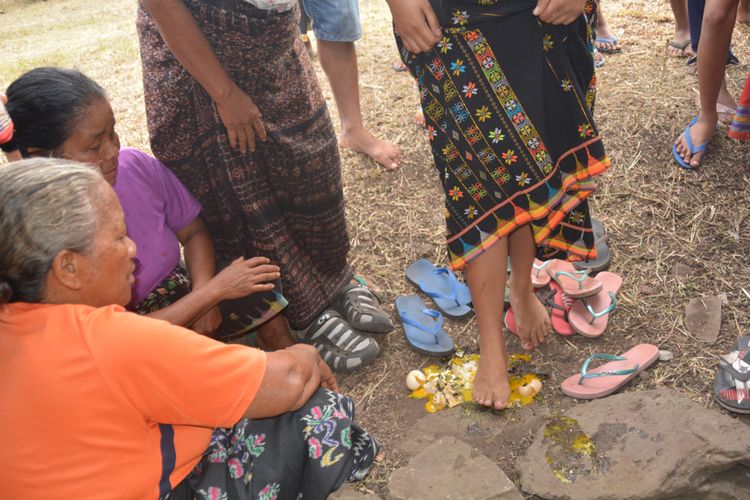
(235, 111)
(506, 88)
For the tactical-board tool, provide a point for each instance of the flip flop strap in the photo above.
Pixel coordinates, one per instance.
(452, 280)
(609, 357)
(596, 315)
(436, 326)
(583, 275)
(691, 147)
(539, 269)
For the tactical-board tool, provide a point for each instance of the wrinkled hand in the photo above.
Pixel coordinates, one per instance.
(243, 277)
(208, 323)
(559, 11)
(327, 378)
(416, 23)
(242, 119)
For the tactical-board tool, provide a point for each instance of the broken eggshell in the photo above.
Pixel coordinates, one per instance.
(531, 388)
(415, 379)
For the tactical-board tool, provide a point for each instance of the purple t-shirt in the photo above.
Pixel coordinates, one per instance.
(157, 206)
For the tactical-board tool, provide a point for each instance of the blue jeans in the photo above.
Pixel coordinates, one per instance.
(332, 20)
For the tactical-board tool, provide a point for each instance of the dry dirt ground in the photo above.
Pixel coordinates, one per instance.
(656, 214)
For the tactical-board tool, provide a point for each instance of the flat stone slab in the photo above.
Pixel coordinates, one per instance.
(648, 444)
(450, 468)
(703, 318)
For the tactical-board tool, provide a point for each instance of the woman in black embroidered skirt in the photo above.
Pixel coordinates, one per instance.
(506, 88)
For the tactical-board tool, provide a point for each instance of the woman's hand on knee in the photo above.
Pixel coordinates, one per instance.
(242, 119)
(559, 11)
(243, 277)
(416, 24)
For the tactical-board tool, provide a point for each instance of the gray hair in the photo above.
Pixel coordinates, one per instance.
(45, 208)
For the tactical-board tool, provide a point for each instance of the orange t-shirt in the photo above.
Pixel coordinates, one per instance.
(103, 403)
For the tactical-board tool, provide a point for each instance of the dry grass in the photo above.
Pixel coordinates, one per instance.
(657, 215)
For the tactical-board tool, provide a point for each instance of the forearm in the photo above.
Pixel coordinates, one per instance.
(188, 44)
(189, 308)
(290, 380)
(198, 248)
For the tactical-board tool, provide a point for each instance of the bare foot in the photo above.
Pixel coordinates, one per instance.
(387, 154)
(699, 133)
(532, 321)
(491, 386)
(607, 40)
(679, 46)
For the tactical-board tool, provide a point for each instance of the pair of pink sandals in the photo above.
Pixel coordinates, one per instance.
(579, 303)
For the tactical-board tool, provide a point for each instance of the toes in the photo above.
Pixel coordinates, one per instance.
(500, 404)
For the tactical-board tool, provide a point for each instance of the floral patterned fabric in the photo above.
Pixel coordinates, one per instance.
(305, 454)
(507, 103)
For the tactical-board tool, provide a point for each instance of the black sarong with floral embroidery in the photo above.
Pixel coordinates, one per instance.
(507, 103)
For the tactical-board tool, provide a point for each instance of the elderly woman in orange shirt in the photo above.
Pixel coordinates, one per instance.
(98, 402)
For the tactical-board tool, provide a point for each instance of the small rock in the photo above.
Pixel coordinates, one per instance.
(449, 468)
(665, 355)
(648, 290)
(680, 270)
(703, 318)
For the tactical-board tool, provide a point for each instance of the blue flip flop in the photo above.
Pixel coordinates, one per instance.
(440, 284)
(691, 147)
(423, 328)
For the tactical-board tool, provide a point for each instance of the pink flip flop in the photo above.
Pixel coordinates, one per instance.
(606, 379)
(589, 316)
(560, 305)
(539, 277)
(576, 284)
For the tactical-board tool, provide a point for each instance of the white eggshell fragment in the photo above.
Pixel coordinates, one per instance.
(430, 386)
(414, 380)
(525, 390)
(536, 384)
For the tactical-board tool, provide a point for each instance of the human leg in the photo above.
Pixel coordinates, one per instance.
(305, 453)
(486, 276)
(532, 320)
(679, 46)
(336, 30)
(743, 12)
(718, 22)
(339, 62)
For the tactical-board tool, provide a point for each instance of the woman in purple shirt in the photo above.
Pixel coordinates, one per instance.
(62, 113)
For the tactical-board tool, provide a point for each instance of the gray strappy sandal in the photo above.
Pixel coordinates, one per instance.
(342, 347)
(361, 308)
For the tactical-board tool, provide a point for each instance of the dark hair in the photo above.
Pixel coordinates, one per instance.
(45, 105)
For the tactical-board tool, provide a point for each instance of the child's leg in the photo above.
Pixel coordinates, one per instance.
(716, 33)
(486, 277)
(532, 320)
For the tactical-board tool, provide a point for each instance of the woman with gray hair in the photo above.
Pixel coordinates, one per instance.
(100, 402)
